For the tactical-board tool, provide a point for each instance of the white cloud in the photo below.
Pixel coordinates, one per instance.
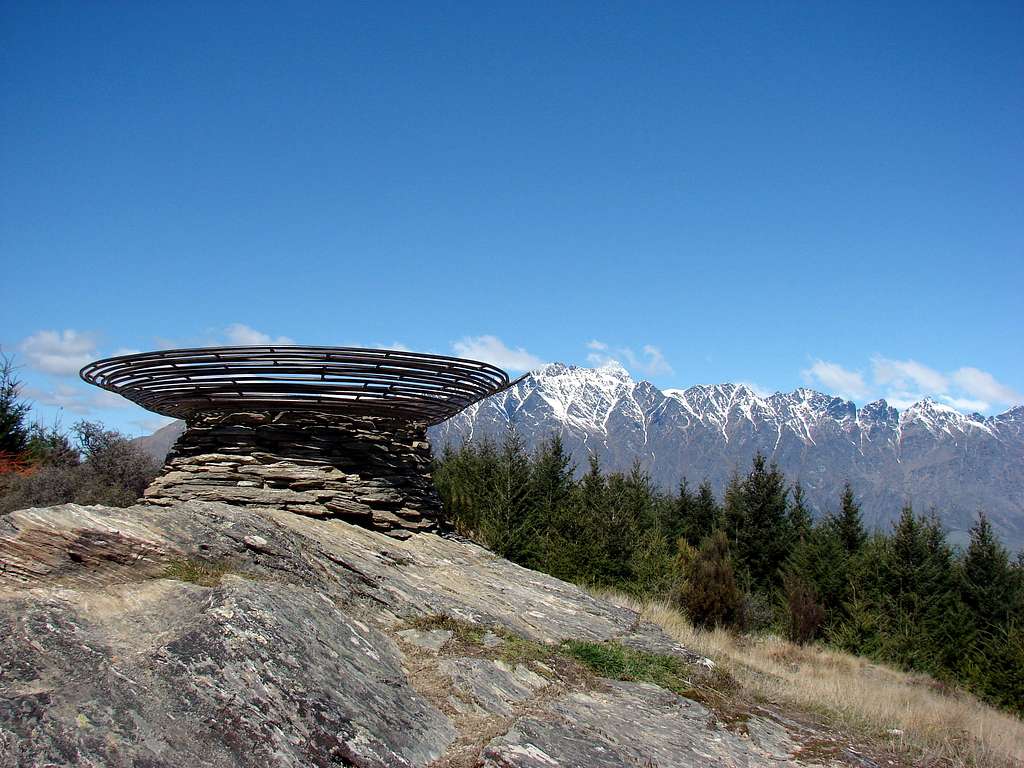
(242, 335)
(650, 362)
(965, 403)
(61, 353)
(908, 374)
(905, 382)
(983, 385)
(835, 378)
(395, 345)
(492, 350)
(903, 400)
(76, 399)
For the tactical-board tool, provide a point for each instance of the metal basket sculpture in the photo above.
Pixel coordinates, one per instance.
(407, 386)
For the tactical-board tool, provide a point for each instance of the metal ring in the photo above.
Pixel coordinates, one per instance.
(348, 380)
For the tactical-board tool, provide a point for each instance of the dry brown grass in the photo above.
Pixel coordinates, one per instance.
(912, 715)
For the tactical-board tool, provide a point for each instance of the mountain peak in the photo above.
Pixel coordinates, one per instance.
(708, 430)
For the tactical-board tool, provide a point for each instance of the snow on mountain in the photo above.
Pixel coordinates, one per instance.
(929, 455)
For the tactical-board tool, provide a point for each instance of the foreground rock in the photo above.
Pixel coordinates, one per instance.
(206, 634)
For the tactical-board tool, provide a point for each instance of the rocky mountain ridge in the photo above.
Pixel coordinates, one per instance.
(929, 455)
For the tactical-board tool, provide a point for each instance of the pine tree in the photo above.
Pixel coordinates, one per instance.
(799, 516)
(630, 506)
(734, 510)
(820, 561)
(652, 565)
(679, 521)
(508, 525)
(552, 482)
(706, 515)
(986, 579)
(592, 546)
(14, 431)
(762, 540)
(711, 596)
(849, 523)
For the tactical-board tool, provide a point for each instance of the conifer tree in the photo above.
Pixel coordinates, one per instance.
(762, 539)
(711, 596)
(630, 510)
(799, 516)
(591, 505)
(557, 521)
(848, 522)
(821, 562)
(508, 525)
(706, 517)
(679, 521)
(986, 580)
(734, 511)
(14, 432)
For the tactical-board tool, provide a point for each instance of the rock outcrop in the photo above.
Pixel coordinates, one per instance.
(368, 471)
(210, 634)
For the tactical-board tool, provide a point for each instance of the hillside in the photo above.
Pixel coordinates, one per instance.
(212, 634)
(929, 454)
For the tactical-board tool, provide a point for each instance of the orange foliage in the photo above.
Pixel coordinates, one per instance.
(15, 463)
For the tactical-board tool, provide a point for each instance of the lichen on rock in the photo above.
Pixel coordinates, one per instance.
(306, 641)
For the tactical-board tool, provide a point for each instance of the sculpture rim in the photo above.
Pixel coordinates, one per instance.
(391, 384)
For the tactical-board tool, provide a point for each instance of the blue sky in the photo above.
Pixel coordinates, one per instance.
(786, 194)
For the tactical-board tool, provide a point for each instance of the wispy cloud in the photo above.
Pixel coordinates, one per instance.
(243, 335)
(59, 353)
(981, 384)
(836, 379)
(491, 349)
(907, 375)
(649, 362)
(76, 398)
(904, 382)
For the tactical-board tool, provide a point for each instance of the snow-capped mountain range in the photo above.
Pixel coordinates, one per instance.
(929, 454)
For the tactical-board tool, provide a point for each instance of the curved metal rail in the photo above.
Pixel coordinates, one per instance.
(348, 380)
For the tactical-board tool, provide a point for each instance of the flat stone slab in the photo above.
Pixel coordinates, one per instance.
(430, 640)
(492, 687)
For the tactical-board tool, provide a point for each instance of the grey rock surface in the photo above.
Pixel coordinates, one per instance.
(210, 634)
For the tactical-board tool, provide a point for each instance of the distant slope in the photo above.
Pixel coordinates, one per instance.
(929, 455)
(159, 443)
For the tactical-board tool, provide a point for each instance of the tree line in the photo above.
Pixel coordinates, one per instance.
(45, 465)
(754, 559)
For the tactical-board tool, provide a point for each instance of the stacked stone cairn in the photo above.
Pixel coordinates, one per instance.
(369, 471)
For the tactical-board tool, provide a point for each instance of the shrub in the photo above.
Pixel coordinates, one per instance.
(755, 613)
(710, 595)
(104, 467)
(804, 614)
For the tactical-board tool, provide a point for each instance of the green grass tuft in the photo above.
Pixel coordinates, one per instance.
(619, 662)
(203, 573)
